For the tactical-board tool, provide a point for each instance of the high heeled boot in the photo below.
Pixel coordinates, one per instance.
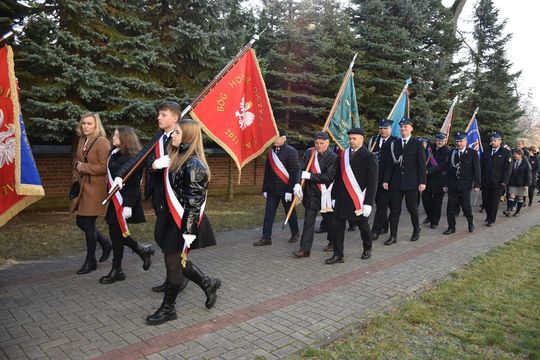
(209, 285)
(166, 311)
(145, 253)
(106, 246)
(89, 265)
(116, 274)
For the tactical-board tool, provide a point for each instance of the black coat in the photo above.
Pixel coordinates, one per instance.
(272, 184)
(131, 192)
(383, 154)
(496, 169)
(463, 173)
(153, 186)
(365, 168)
(411, 171)
(535, 167)
(328, 162)
(437, 174)
(522, 176)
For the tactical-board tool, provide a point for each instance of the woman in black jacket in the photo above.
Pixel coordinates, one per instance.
(518, 185)
(125, 207)
(186, 184)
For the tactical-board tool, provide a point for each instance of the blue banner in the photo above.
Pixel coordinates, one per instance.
(473, 137)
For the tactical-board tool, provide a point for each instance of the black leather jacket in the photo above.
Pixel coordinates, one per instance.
(190, 184)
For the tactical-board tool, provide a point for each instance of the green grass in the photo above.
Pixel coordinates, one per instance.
(490, 310)
(40, 233)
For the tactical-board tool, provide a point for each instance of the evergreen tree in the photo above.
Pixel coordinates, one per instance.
(11, 14)
(493, 84)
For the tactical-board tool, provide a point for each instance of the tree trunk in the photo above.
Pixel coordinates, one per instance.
(230, 184)
(457, 8)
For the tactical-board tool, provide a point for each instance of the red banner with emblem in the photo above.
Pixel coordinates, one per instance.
(236, 113)
(20, 184)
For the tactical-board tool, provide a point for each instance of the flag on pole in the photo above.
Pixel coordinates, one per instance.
(345, 115)
(20, 184)
(473, 135)
(236, 112)
(400, 109)
(447, 124)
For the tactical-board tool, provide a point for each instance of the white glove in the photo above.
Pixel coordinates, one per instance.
(333, 203)
(288, 197)
(116, 182)
(126, 212)
(298, 191)
(306, 175)
(265, 194)
(162, 162)
(366, 210)
(189, 239)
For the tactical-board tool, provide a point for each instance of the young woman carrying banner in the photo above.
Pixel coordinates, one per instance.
(125, 206)
(186, 184)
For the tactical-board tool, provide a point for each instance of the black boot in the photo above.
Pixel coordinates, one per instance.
(209, 285)
(161, 288)
(89, 265)
(106, 246)
(166, 311)
(115, 275)
(518, 208)
(145, 253)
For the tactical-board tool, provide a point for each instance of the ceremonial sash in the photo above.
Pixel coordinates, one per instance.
(326, 191)
(352, 186)
(278, 166)
(431, 159)
(117, 200)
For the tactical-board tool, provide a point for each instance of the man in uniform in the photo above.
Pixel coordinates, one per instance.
(317, 194)
(280, 175)
(380, 146)
(405, 176)
(354, 193)
(437, 167)
(463, 174)
(496, 164)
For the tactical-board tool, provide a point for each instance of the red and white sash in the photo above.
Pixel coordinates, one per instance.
(278, 166)
(117, 200)
(352, 186)
(326, 191)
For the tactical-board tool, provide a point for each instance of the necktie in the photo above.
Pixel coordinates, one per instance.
(382, 142)
(277, 151)
(460, 153)
(165, 138)
(493, 152)
(517, 164)
(404, 143)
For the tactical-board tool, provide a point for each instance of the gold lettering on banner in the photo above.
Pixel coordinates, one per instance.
(8, 188)
(250, 143)
(221, 102)
(238, 79)
(5, 92)
(259, 101)
(231, 135)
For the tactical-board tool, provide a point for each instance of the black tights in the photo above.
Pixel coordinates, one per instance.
(175, 275)
(88, 225)
(118, 242)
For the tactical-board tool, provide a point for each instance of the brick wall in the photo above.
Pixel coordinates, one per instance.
(55, 172)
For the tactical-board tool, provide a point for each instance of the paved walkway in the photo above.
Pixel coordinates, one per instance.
(270, 305)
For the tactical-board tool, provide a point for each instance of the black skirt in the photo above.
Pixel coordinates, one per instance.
(169, 237)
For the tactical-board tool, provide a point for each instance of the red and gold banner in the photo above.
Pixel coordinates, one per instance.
(20, 184)
(236, 113)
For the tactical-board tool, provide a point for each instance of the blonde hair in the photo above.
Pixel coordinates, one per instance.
(100, 130)
(191, 136)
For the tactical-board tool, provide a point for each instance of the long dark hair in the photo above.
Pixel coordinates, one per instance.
(129, 142)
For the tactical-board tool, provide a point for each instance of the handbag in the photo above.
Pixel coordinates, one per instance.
(75, 187)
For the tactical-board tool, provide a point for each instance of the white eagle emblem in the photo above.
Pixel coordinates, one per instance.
(245, 117)
(7, 142)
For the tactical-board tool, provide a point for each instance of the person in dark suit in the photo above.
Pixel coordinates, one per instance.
(354, 193)
(496, 164)
(518, 185)
(405, 176)
(126, 207)
(317, 191)
(535, 167)
(438, 156)
(463, 171)
(280, 175)
(380, 146)
(168, 114)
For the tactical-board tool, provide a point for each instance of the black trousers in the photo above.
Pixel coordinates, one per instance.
(382, 201)
(118, 242)
(432, 204)
(531, 193)
(490, 199)
(411, 202)
(365, 233)
(458, 198)
(308, 232)
(92, 235)
(272, 203)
